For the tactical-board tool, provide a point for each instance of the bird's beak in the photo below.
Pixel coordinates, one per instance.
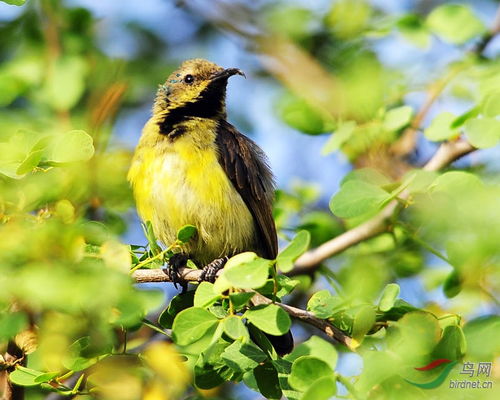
(226, 73)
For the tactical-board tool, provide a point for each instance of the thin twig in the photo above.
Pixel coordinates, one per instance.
(446, 154)
(193, 275)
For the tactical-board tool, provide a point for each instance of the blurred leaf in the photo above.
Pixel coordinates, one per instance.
(363, 321)
(413, 29)
(452, 345)
(440, 127)
(299, 114)
(186, 233)
(294, 249)
(306, 370)
(357, 198)
(116, 255)
(482, 337)
(397, 118)
(14, 2)
(483, 132)
(23, 376)
(315, 347)
(191, 324)
(75, 361)
(269, 318)
(65, 84)
(11, 324)
(453, 284)
(388, 297)
(70, 147)
(491, 105)
(323, 389)
(337, 139)
(348, 18)
(455, 23)
(368, 175)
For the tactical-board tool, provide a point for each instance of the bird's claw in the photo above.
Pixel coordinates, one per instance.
(209, 271)
(177, 261)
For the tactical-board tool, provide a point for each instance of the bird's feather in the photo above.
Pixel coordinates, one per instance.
(246, 166)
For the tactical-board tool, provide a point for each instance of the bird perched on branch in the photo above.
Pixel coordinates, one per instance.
(193, 167)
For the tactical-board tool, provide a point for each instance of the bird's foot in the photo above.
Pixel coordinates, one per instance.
(177, 261)
(209, 271)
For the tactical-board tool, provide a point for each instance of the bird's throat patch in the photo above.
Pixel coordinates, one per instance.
(208, 104)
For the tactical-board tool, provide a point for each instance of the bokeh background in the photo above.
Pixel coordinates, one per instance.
(95, 65)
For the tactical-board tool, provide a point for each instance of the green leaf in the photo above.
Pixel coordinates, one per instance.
(285, 285)
(323, 389)
(491, 105)
(397, 118)
(11, 324)
(222, 283)
(30, 162)
(388, 297)
(205, 295)
(483, 132)
(337, 139)
(412, 29)
(306, 370)
(363, 321)
(462, 119)
(65, 84)
(455, 23)
(235, 328)
(71, 146)
(440, 127)
(250, 275)
(14, 2)
(177, 304)
(482, 337)
(299, 114)
(357, 198)
(191, 324)
(23, 376)
(74, 360)
(452, 344)
(323, 305)
(368, 175)
(242, 357)
(453, 284)
(457, 183)
(294, 249)
(316, 347)
(419, 180)
(267, 380)
(240, 300)
(46, 377)
(269, 318)
(186, 233)
(147, 228)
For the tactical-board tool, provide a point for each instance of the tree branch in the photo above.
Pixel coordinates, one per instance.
(193, 275)
(446, 154)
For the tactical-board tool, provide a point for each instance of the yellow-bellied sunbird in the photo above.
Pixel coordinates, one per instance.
(191, 166)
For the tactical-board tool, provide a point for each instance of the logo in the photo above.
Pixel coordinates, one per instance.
(440, 378)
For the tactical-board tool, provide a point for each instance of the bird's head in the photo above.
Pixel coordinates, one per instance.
(196, 89)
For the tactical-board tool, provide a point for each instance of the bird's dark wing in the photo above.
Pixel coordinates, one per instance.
(246, 166)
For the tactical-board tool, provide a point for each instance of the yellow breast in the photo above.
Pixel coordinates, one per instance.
(181, 182)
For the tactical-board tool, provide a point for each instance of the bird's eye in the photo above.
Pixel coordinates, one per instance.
(189, 78)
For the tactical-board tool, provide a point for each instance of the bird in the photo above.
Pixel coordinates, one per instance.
(191, 166)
